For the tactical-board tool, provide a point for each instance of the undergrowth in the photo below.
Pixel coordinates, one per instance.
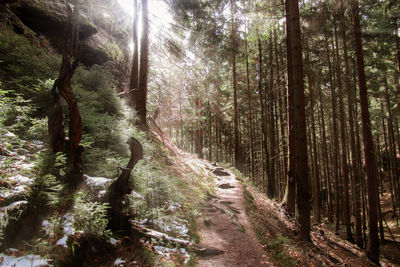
(27, 75)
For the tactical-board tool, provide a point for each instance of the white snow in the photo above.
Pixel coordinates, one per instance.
(173, 227)
(166, 252)
(68, 224)
(113, 241)
(22, 179)
(118, 261)
(27, 166)
(63, 241)
(10, 134)
(23, 261)
(101, 193)
(96, 181)
(14, 205)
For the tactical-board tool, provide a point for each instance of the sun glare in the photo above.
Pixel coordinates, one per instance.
(159, 12)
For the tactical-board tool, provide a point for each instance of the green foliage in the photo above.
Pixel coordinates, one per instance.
(3, 224)
(90, 217)
(276, 249)
(46, 189)
(14, 110)
(148, 257)
(106, 122)
(44, 192)
(153, 190)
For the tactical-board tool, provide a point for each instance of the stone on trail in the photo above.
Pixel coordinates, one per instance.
(220, 172)
(225, 186)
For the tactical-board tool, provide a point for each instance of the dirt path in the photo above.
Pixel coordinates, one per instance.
(225, 226)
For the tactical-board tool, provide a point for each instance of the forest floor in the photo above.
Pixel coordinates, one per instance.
(226, 226)
(232, 218)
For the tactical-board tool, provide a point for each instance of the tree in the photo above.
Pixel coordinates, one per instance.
(134, 79)
(371, 172)
(238, 160)
(298, 124)
(62, 86)
(141, 99)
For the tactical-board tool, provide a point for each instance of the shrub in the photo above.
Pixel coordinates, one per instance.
(90, 217)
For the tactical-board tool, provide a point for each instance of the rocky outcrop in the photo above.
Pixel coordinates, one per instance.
(104, 27)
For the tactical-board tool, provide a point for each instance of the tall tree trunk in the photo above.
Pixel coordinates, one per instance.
(250, 114)
(141, 100)
(290, 193)
(271, 179)
(199, 128)
(314, 163)
(335, 139)
(261, 95)
(299, 123)
(326, 159)
(392, 146)
(371, 172)
(134, 79)
(355, 170)
(238, 160)
(282, 109)
(345, 172)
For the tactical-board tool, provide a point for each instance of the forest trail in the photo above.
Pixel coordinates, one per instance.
(226, 226)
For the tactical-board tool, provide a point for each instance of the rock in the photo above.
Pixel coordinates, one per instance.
(220, 172)
(207, 251)
(208, 222)
(225, 186)
(104, 37)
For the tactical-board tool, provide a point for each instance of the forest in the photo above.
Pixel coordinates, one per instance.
(199, 133)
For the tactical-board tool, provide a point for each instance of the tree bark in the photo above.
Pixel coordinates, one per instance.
(238, 159)
(119, 221)
(141, 100)
(250, 114)
(271, 99)
(371, 172)
(299, 123)
(71, 52)
(355, 170)
(134, 79)
(345, 172)
(315, 180)
(289, 199)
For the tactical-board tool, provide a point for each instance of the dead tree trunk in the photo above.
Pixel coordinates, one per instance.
(119, 221)
(63, 87)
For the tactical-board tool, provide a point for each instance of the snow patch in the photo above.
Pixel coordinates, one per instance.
(113, 241)
(14, 205)
(166, 252)
(175, 227)
(9, 134)
(67, 224)
(101, 193)
(99, 182)
(63, 241)
(21, 179)
(118, 261)
(24, 261)
(27, 166)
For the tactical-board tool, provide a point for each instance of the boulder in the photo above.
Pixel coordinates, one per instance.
(104, 31)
